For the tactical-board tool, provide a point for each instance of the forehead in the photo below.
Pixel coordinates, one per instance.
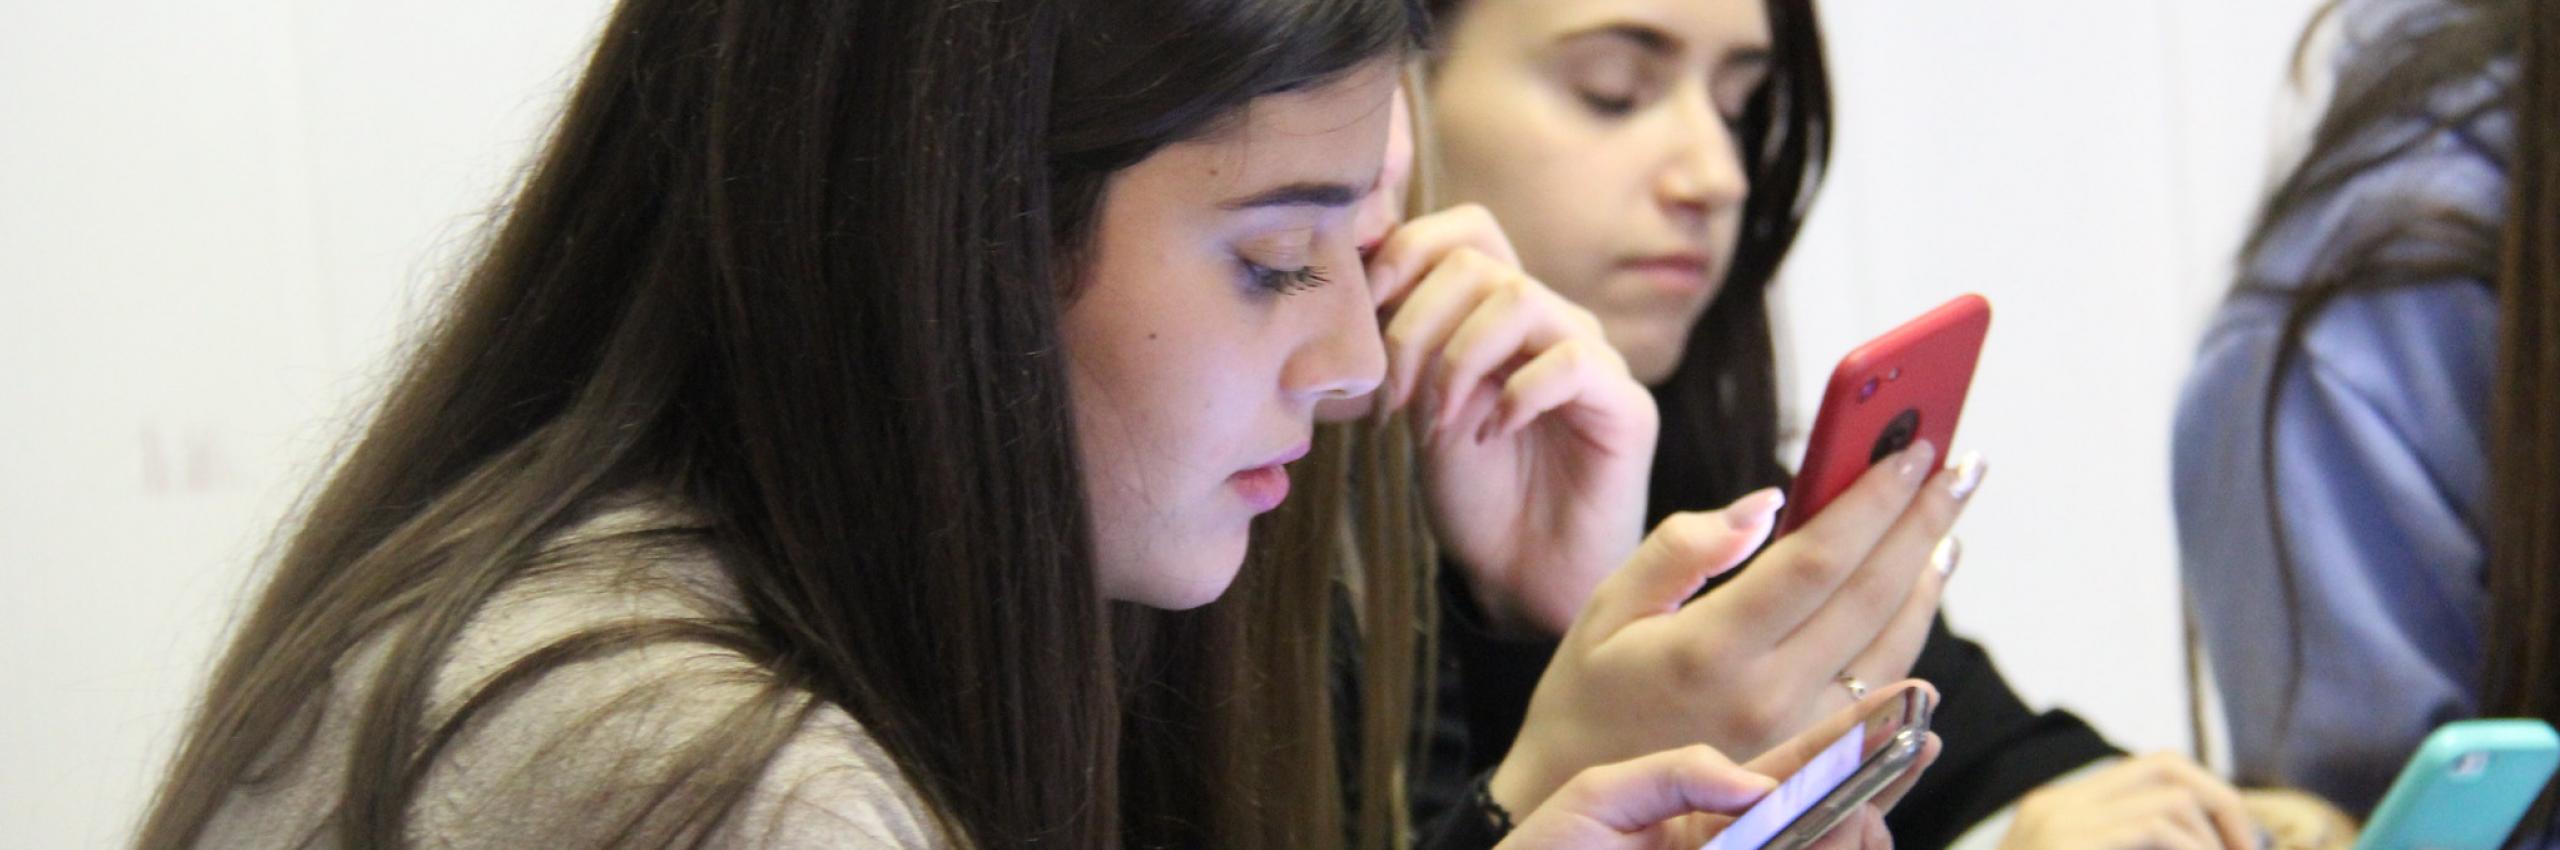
(1335, 133)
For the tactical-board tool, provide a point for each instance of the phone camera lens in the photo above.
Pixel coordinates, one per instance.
(1867, 391)
(2471, 764)
(1897, 435)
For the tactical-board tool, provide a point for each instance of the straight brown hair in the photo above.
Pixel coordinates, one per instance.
(2522, 672)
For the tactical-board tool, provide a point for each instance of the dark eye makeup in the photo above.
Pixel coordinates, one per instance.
(1287, 281)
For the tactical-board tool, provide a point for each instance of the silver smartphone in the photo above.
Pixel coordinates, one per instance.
(1852, 770)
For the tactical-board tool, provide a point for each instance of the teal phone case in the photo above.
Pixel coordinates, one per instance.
(2465, 788)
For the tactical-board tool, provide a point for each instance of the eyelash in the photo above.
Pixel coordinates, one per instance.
(1613, 107)
(1287, 281)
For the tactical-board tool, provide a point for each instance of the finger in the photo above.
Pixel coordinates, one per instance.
(1576, 370)
(1677, 558)
(1874, 835)
(2196, 825)
(1885, 582)
(1458, 418)
(2170, 816)
(1896, 648)
(2220, 802)
(1421, 325)
(1863, 830)
(2169, 836)
(1892, 794)
(1504, 326)
(1635, 795)
(1418, 245)
(1798, 575)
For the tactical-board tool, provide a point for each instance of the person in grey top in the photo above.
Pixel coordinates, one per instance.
(2334, 466)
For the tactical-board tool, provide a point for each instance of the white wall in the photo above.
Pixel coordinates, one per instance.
(2089, 167)
(217, 218)
(214, 217)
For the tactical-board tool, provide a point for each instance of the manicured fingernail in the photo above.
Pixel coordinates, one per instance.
(1756, 510)
(1915, 461)
(1950, 552)
(1968, 476)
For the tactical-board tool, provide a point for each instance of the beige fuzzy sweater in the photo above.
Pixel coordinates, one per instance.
(572, 758)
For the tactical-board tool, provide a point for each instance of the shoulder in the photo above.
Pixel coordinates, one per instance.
(610, 691)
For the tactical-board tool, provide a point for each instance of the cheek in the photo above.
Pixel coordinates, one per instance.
(1561, 187)
(1161, 409)
(1565, 210)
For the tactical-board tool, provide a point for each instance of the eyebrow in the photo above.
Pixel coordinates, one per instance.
(1654, 41)
(1650, 39)
(1746, 59)
(1302, 194)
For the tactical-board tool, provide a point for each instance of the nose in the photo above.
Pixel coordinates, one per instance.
(1703, 172)
(1345, 355)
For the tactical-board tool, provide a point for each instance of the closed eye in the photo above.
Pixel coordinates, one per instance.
(1287, 281)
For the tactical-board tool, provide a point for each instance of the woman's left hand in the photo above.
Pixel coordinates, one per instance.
(1536, 441)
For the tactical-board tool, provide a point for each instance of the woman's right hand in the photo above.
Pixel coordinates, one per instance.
(1645, 668)
(1681, 798)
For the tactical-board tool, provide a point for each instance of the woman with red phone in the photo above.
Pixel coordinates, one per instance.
(1653, 162)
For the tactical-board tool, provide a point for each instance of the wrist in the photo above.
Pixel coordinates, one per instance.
(1503, 616)
(1481, 606)
(1518, 785)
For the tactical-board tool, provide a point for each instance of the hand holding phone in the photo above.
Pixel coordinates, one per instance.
(1861, 763)
(1684, 796)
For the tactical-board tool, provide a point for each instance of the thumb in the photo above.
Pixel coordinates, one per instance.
(1680, 556)
(1633, 796)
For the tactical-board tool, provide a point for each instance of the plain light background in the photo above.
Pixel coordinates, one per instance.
(220, 221)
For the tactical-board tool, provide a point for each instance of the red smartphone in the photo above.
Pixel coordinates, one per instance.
(1908, 384)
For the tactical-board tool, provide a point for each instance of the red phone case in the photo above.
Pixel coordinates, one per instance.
(1908, 384)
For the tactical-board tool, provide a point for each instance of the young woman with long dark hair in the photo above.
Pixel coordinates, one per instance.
(2368, 449)
(1654, 162)
(851, 436)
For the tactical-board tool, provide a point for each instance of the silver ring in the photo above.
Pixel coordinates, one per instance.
(1857, 689)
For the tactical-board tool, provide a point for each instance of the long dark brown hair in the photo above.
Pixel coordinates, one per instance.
(2399, 78)
(798, 265)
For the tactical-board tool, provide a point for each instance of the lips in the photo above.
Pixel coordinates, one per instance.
(1265, 487)
(1678, 274)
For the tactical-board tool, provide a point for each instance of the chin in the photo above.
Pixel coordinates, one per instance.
(1652, 348)
(1180, 583)
(1651, 361)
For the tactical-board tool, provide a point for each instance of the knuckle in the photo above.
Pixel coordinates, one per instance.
(1763, 719)
(1473, 214)
(1583, 318)
(1694, 666)
(1399, 336)
(1704, 761)
(1574, 356)
(1820, 563)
